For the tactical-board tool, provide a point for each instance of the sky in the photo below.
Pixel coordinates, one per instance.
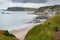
(31, 1)
(4, 4)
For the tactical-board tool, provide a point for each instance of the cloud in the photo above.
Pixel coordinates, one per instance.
(8, 3)
(53, 2)
(5, 1)
(30, 1)
(4, 4)
(30, 5)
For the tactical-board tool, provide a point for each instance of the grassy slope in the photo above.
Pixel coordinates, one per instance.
(5, 35)
(44, 31)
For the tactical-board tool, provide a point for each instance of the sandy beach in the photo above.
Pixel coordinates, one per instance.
(20, 33)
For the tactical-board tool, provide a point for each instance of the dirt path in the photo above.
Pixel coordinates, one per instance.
(57, 35)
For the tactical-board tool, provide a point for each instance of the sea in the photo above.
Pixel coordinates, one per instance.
(10, 20)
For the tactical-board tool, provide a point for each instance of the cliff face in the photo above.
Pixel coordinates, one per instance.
(20, 9)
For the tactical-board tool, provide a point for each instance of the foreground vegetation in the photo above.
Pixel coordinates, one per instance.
(46, 30)
(5, 35)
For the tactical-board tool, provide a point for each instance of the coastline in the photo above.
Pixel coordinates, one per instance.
(20, 33)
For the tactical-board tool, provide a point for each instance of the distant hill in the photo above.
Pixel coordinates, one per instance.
(49, 10)
(52, 8)
(5, 35)
(20, 9)
(46, 30)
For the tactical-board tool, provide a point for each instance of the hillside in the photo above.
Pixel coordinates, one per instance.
(20, 9)
(48, 10)
(52, 7)
(46, 30)
(5, 35)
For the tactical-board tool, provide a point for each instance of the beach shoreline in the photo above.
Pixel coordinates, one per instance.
(21, 33)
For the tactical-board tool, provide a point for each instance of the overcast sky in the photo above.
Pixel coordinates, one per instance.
(34, 4)
(30, 1)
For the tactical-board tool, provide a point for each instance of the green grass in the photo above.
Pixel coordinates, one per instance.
(5, 35)
(46, 30)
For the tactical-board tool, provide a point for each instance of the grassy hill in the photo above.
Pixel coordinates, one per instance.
(52, 8)
(20, 9)
(48, 10)
(5, 35)
(46, 30)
